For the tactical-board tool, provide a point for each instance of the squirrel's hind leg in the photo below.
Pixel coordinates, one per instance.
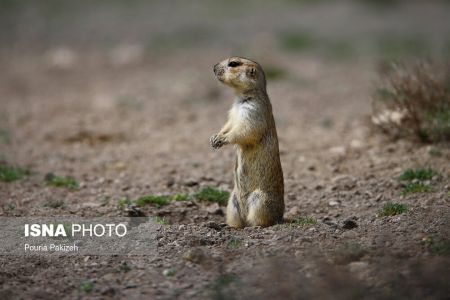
(259, 210)
(234, 212)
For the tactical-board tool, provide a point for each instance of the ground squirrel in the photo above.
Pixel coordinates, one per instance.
(258, 195)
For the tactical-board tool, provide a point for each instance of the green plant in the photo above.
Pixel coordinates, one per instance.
(9, 206)
(124, 268)
(62, 181)
(158, 201)
(124, 202)
(392, 209)
(210, 194)
(419, 174)
(441, 247)
(437, 245)
(416, 187)
(304, 222)
(162, 220)
(180, 197)
(9, 173)
(170, 272)
(87, 286)
(234, 243)
(414, 102)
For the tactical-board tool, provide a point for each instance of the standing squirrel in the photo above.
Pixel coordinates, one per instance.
(258, 195)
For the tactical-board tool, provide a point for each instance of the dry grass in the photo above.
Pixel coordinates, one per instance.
(413, 101)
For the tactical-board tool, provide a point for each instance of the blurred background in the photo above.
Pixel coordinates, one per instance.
(105, 104)
(333, 29)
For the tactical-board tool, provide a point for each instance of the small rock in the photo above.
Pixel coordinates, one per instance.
(191, 183)
(134, 211)
(379, 197)
(214, 209)
(334, 202)
(329, 222)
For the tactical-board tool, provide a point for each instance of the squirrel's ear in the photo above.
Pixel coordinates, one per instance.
(251, 72)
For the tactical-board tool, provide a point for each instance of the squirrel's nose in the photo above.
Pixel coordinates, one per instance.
(215, 68)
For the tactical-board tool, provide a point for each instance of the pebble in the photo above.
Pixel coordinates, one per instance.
(329, 222)
(214, 209)
(333, 202)
(191, 183)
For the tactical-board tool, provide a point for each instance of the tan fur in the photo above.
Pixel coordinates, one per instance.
(257, 197)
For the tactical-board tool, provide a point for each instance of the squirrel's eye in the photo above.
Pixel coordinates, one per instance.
(233, 64)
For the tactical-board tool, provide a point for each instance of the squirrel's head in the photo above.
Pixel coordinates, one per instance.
(241, 74)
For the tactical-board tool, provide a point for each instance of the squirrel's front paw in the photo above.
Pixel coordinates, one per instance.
(216, 141)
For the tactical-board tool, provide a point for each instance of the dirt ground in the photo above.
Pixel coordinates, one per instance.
(128, 124)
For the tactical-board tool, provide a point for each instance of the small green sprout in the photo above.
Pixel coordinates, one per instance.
(9, 173)
(87, 286)
(62, 181)
(392, 209)
(170, 272)
(416, 187)
(419, 174)
(304, 222)
(124, 268)
(162, 220)
(234, 243)
(158, 201)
